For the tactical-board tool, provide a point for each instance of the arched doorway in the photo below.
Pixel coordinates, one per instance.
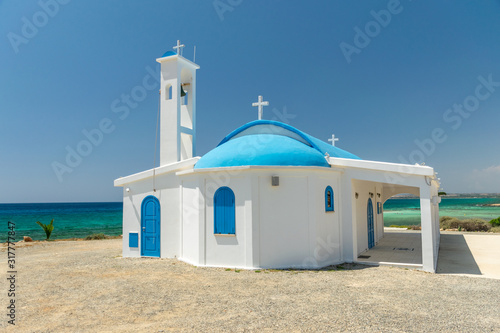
(371, 229)
(150, 227)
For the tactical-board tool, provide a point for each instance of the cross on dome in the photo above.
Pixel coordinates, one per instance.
(333, 139)
(260, 104)
(178, 48)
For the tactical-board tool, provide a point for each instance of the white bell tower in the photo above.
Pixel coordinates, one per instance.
(178, 107)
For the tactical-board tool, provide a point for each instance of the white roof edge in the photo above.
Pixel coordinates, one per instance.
(176, 56)
(256, 167)
(122, 181)
(419, 170)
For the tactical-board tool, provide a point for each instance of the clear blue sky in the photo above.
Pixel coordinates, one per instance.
(378, 91)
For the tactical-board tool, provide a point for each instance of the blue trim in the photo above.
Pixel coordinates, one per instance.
(270, 148)
(317, 144)
(168, 54)
(224, 211)
(150, 227)
(133, 239)
(329, 207)
(262, 149)
(268, 122)
(370, 222)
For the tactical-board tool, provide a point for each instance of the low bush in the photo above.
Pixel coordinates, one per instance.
(96, 236)
(447, 222)
(475, 225)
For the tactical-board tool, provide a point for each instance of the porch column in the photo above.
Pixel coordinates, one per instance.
(348, 221)
(429, 259)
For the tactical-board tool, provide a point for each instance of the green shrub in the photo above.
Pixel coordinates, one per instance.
(96, 236)
(495, 222)
(48, 228)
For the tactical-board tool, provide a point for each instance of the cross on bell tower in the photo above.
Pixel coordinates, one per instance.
(178, 48)
(260, 104)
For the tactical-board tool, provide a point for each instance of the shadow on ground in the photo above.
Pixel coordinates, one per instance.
(455, 256)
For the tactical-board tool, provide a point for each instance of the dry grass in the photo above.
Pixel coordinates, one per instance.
(474, 224)
(97, 236)
(495, 229)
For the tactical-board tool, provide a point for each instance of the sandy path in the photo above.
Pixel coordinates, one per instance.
(88, 287)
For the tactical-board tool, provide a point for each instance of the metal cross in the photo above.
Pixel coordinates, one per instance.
(260, 104)
(178, 48)
(333, 139)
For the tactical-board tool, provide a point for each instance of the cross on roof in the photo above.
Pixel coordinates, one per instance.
(333, 139)
(178, 48)
(261, 103)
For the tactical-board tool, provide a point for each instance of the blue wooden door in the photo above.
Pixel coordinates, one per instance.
(150, 227)
(371, 231)
(224, 211)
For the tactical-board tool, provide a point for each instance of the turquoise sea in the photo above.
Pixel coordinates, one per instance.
(407, 211)
(83, 219)
(70, 219)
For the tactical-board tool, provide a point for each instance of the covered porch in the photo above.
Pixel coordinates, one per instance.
(369, 184)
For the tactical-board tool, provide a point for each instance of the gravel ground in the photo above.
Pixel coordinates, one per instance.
(86, 286)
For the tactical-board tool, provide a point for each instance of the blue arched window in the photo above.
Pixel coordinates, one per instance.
(329, 202)
(224, 211)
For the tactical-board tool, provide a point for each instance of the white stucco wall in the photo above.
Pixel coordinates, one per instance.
(276, 226)
(192, 222)
(284, 221)
(295, 230)
(327, 248)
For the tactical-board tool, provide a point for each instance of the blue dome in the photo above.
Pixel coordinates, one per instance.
(168, 54)
(270, 143)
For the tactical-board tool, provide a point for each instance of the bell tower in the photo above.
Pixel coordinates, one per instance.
(177, 107)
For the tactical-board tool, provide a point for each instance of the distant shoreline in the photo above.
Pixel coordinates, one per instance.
(452, 196)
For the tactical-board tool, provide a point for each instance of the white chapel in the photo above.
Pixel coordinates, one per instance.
(268, 196)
